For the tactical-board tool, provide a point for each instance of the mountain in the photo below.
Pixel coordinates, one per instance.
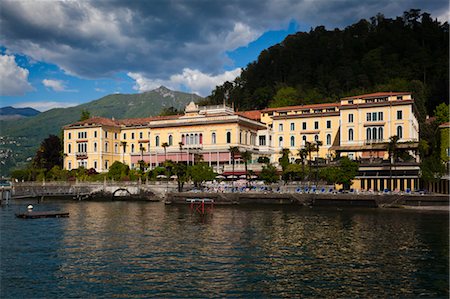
(17, 113)
(23, 138)
(408, 53)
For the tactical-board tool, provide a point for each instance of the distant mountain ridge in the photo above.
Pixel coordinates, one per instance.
(9, 112)
(34, 129)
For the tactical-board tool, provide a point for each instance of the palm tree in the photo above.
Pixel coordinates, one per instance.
(246, 156)
(234, 151)
(317, 147)
(309, 148)
(392, 150)
(141, 162)
(303, 153)
(165, 145)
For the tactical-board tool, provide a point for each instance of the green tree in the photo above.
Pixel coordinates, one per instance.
(348, 170)
(294, 172)
(285, 96)
(85, 114)
(310, 148)
(392, 148)
(234, 151)
(269, 174)
(164, 146)
(441, 113)
(118, 171)
(48, 154)
(264, 160)
(302, 154)
(181, 171)
(284, 159)
(201, 172)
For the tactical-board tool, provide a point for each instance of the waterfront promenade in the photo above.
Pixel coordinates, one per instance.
(225, 195)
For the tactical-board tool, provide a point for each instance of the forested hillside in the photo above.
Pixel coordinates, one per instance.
(408, 53)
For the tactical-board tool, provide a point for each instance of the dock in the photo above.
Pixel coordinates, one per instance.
(44, 214)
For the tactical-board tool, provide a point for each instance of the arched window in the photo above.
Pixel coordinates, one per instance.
(95, 147)
(399, 132)
(280, 141)
(116, 148)
(316, 137)
(69, 148)
(170, 140)
(304, 139)
(380, 133)
(156, 140)
(350, 134)
(106, 146)
(228, 137)
(292, 141)
(132, 148)
(213, 138)
(183, 139)
(200, 138)
(374, 133)
(328, 139)
(368, 134)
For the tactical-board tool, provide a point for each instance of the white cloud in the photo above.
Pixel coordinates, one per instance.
(56, 85)
(13, 78)
(45, 105)
(194, 80)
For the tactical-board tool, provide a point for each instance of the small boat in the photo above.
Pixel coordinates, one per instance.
(43, 214)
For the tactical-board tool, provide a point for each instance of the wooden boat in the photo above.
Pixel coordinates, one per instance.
(43, 214)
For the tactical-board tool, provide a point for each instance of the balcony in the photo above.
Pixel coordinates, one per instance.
(81, 155)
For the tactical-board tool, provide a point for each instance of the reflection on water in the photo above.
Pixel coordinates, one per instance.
(119, 249)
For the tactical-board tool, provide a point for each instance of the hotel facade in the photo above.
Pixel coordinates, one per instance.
(359, 127)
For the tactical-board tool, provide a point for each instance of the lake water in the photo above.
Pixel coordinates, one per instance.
(139, 249)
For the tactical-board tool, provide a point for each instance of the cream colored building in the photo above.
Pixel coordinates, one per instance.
(358, 127)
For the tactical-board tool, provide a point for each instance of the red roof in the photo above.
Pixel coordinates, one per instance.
(300, 107)
(378, 94)
(97, 120)
(253, 114)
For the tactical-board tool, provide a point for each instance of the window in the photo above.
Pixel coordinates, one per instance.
(399, 114)
(228, 137)
(106, 146)
(106, 164)
(292, 141)
(280, 141)
(262, 140)
(115, 135)
(200, 138)
(170, 140)
(328, 124)
(399, 132)
(292, 126)
(213, 138)
(70, 135)
(106, 134)
(280, 127)
(369, 116)
(132, 148)
(82, 147)
(380, 116)
(316, 125)
(380, 133)
(116, 148)
(303, 126)
(69, 165)
(350, 118)
(140, 135)
(124, 135)
(156, 140)
(240, 137)
(69, 148)
(304, 140)
(316, 137)
(95, 134)
(374, 133)
(328, 139)
(95, 164)
(368, 134)
(350, 134)
(82, 135)
(132, 135)
(350, 102)
(399, 98)
(95, 147)
(374, 116)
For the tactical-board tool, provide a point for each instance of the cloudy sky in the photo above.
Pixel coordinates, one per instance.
(62, 53)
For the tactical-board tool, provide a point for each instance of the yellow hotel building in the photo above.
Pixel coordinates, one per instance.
(358, 127)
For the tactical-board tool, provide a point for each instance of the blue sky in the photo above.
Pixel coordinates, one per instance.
(59, 54)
